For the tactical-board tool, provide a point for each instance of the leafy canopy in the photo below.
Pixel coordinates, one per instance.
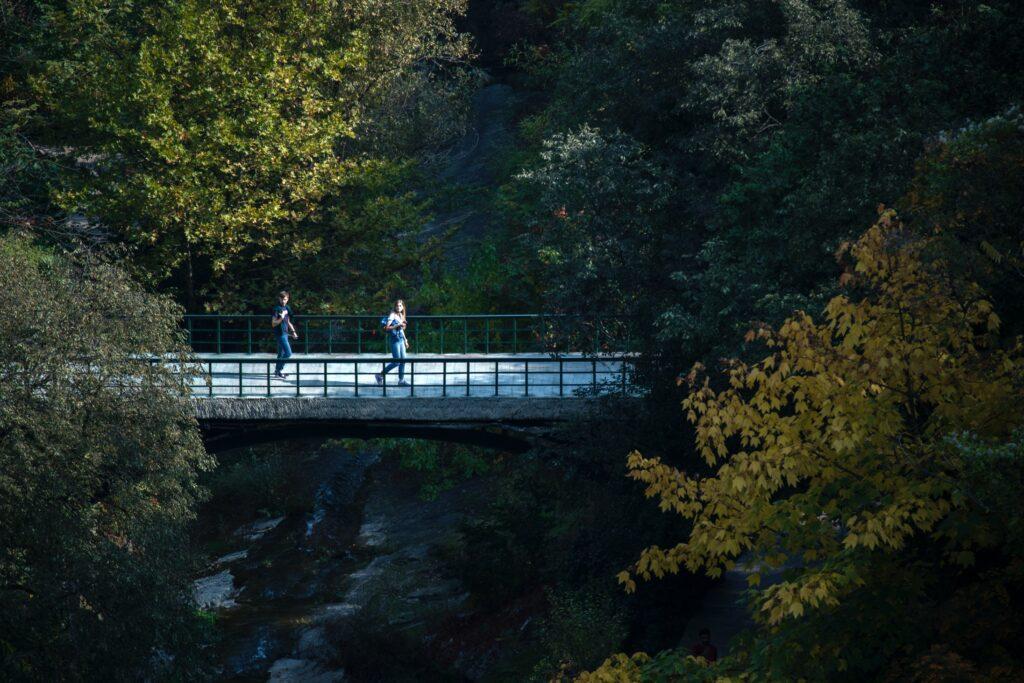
(775, 129)
(834, 463)
(224, 139)
(99, 453)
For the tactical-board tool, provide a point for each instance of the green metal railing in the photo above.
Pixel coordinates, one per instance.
(465, 334)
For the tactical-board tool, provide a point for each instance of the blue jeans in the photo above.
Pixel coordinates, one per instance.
(284, 352)
(397, 351)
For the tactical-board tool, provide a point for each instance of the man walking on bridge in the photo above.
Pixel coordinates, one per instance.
(282, 324)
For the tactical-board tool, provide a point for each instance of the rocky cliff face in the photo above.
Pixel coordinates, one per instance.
(470, 167)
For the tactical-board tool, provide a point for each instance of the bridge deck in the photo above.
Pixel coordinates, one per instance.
(429, 376)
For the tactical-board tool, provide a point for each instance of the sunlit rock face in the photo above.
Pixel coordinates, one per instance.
(216, 591)
(302, 671)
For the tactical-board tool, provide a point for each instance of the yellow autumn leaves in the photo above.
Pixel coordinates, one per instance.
(833, 445)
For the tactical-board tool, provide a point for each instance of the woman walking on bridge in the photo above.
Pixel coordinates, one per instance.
(394, 325)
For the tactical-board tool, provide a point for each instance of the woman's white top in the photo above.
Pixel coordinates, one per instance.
(395, 319)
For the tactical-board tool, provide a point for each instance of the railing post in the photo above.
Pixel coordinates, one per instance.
(325, 379)
(355, 376)
(561, 377)
(623, 362)
(444, 378)
(239, 378)
(298, 378)
(384, 378)
(412, 378)
(467, 378)
(526, 378)
(248, 334)
(209, 372)
(495, 378)
(594, 373)
(268, 378)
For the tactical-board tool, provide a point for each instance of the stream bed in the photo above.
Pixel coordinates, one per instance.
(326, 591)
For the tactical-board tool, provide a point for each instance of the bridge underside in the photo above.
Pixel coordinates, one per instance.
(506, 423)
(225, 436)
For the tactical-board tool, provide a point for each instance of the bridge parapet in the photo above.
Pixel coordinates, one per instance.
(431, 376)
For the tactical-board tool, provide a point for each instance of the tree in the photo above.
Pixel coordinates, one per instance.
(782, 124)
(25, 174)
(597, 236)
(850, 459)
(968, 190)
(226, 141)
(99, 453)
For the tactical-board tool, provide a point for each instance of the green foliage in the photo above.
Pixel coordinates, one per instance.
(23, 174)
(257, 480)
(554, 520)
(387, 641)
(967, 189)
(600, 192)
(208, 618)
(994, 473)
(99, 455)
(839, 462)
(242, 140)
(502, 552)
(26, 173)
(580, 627)
(440, 465)
(669, 665)
(496, 280)
(774, 129)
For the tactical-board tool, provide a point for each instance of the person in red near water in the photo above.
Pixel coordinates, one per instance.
(704, 648)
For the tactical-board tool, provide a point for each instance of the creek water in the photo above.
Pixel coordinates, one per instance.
(311, 594)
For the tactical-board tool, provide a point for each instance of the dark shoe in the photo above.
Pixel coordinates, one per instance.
(402, 383)
(281, 375)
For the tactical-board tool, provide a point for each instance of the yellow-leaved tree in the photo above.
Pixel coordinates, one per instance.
(836, 456)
